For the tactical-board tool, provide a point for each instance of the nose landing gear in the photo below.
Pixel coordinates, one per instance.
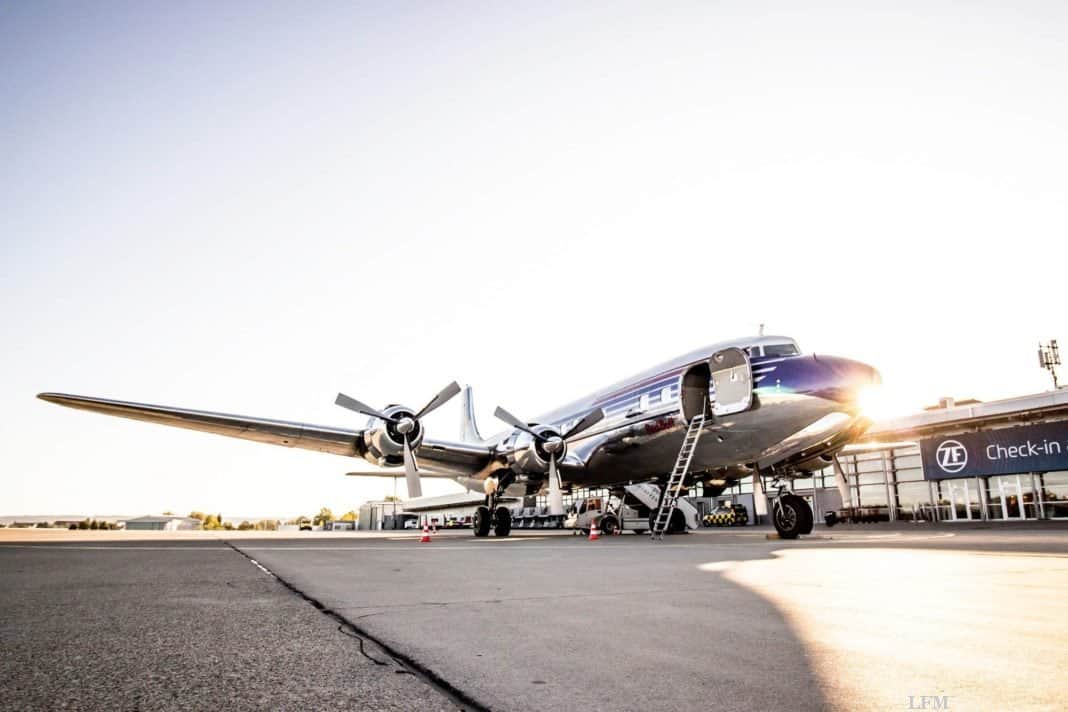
(790, 514)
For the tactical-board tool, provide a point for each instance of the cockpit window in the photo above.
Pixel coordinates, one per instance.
(779, 350)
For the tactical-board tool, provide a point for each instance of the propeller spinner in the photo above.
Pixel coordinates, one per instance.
(554, 446)
(406, 425)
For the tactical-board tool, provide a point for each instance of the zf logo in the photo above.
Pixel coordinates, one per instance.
(951, 456)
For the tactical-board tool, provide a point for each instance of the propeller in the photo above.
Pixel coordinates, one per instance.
(555, 446)
(405, 425)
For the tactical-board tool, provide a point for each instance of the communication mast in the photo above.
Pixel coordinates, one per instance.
(1049, 357)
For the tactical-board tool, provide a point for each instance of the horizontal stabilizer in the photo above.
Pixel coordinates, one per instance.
(398, 473)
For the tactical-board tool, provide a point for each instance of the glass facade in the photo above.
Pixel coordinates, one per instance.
(888, 485)
(1052, 488)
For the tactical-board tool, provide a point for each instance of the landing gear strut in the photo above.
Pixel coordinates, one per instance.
(790, 514)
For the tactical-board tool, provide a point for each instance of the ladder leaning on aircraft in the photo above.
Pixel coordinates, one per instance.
(678, 474)
(747, 407)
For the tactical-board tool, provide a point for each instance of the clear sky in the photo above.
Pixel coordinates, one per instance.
(248, 207)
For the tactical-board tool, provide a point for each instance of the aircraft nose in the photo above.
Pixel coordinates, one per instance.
(847, 379)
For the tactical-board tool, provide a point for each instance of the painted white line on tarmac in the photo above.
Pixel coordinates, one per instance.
(481, 542)
(444, 549)
(125, 548)
(259, 566)
(881, 538)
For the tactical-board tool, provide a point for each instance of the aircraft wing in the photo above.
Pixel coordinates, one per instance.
(276, 432)
(822, 436)
(441, 458)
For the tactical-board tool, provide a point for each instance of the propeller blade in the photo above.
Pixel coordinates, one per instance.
(352, 404)
(556, 498)
(440, 399)
(590, 419)
(411, 471)
(515, 422)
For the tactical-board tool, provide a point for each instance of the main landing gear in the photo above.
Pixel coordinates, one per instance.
(791, 514)
(498, 519)
(492, 514)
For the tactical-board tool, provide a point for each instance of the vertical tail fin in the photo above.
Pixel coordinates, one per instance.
(468, 428)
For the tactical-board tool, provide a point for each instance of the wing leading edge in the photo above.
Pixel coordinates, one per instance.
(442, 458)
(338, 441)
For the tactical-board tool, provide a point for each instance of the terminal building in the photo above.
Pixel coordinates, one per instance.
(1003, 460)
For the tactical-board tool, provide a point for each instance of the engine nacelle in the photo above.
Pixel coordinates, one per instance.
(816, 463)
(530, 454)
(383, 440)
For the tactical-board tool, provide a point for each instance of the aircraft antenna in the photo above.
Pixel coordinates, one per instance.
(1049, 357)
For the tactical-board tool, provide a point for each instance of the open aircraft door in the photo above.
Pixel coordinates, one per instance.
(732, 378)
(728, 374)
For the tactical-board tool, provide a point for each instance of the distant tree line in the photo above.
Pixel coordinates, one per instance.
(92, 524)
(215, 521)
(325, 515)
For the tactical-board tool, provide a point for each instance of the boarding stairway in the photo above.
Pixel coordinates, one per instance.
(674, 485)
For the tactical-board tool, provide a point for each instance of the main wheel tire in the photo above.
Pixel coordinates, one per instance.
(482, 520)
(788, 516)
(676, 525)
(609, 525)
(806, 512)
(502, 524)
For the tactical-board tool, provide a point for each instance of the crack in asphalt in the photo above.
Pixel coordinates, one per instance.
(407, 664)
(342, 628)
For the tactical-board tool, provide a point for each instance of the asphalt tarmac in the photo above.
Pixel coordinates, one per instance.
(864, 618)
(157, 625)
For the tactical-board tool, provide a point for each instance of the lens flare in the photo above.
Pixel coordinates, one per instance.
(879, 403)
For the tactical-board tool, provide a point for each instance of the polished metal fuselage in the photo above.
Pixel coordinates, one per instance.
(804, 406)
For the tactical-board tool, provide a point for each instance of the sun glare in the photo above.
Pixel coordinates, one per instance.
(879, 403)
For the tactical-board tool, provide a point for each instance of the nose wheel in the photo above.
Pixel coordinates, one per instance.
(791, 515)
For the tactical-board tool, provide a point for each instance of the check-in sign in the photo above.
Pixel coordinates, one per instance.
(1029, 448)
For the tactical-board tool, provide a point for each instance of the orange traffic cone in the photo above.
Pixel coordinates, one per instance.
(595, 533)
(426, 535)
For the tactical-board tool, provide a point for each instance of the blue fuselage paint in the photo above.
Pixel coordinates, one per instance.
(804, 405)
